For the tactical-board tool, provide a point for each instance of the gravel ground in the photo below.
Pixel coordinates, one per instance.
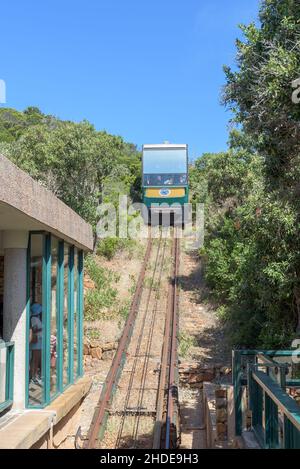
(199, 322)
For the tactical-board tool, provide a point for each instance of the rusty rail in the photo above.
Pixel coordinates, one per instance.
(166, 430)
(101, 411)
(138, 348)
(166, 433)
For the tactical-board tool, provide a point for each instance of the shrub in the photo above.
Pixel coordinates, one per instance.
(186, 342)
(98, 300)
(109, 247)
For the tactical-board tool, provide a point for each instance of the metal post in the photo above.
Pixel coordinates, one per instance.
(237, 387)
(271, 424)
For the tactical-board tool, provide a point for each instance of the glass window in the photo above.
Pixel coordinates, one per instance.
(36, 322)
(165, 161)
(54, 318)
(66, 317)
(75, 313)
(159, 180)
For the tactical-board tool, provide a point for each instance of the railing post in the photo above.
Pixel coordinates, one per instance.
(9, 375)
(237, 389)
(271, 423)
(291, 436)
(283, 378)
(9, 382)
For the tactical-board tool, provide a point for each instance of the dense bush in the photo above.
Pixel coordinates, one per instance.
(251, 192)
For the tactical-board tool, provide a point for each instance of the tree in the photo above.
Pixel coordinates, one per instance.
(72, 159)
(252, 243)
(260, 91)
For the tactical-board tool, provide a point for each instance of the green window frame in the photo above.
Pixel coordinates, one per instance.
(46, 317)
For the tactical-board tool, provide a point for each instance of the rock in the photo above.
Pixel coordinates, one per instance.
(94, 362)
(209, 375)
(195, 379)
(222, 393)
(95, 344)
(197, 385)
(109, 346)
(87, 360)
(86, 346)
(108, 355)
(88, 283)
(96, 353)
(221, 415)
(221, 429)
(221, 403)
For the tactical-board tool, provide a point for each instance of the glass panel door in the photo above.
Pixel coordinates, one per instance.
(75, 313)
(54, 319)
(66, 318)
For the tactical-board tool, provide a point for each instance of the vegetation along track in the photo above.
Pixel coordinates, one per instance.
(138, 406)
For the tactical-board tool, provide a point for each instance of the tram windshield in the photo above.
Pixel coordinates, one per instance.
(165, 180)
(165, 167)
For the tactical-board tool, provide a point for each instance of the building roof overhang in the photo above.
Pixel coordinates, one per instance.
(27, 205)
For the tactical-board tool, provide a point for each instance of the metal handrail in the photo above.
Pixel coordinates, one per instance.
(240, 379)
(285, 403)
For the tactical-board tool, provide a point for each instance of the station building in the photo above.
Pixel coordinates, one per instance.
(42, 247)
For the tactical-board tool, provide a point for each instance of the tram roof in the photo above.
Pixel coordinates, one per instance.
(165, 146)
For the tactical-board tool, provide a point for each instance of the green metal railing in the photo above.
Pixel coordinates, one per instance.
(275, 415)
(7, 378)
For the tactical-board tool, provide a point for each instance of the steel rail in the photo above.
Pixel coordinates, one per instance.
(166, 430)
(138, 347)
(160, 401)
(172, 422)
(101, 411)
(148, 349)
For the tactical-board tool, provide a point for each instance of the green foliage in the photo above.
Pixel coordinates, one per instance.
(186, 342)
(260, 91)
(79, 164)
(109, 247)
(251, 260)
(124, 310)
(14, 123)
(84, 168)
(252, 248)
(98, 301)
(93, 334)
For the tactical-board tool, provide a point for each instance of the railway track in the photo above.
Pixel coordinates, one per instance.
(138, 406)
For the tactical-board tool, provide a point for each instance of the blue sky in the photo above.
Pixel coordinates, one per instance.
(149, 70)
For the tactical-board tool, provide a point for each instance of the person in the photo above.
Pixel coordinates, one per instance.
(36, 335)
(158, 181)
(169, 181)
